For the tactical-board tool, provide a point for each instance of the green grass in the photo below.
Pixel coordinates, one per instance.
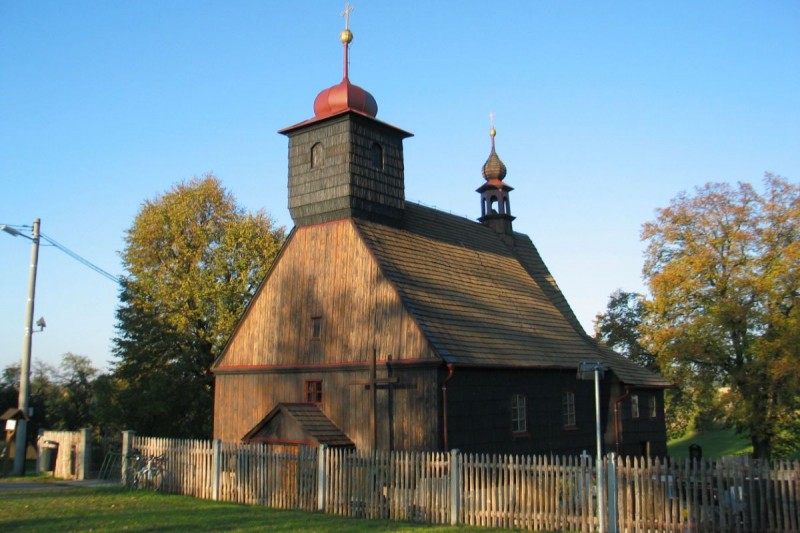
(716, 443)
(118, 509)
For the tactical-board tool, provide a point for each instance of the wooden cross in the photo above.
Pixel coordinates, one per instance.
(346, 14)
(374, 383)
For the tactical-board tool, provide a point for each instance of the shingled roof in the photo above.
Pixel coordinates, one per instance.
(308, 419)
(485, 302)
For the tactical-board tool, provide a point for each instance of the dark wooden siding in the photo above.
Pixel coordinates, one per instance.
(479, 411)
(638, 435)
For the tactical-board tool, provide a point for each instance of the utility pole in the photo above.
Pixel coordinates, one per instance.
(25, 365)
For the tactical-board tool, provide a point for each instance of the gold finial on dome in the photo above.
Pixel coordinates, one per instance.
(492, 131)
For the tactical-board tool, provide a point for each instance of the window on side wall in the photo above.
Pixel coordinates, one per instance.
(313, 391)
(519, 414)
(634, 406)
(568, 409)
(316, 327)
(652, 407)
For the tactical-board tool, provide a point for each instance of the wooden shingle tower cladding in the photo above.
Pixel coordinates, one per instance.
(346, 165)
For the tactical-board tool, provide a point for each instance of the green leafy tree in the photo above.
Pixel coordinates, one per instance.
(194, 260)
(73, 406)
(722, 268)
(9, 387)
(44, 394)
(619, 327)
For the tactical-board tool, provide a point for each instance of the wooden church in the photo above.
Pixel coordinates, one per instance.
(389, 325)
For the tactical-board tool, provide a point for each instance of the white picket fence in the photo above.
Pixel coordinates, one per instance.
(504, 491)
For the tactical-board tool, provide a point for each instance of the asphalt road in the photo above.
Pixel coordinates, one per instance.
(22, 485)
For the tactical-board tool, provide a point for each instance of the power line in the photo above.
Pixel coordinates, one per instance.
(80, 259)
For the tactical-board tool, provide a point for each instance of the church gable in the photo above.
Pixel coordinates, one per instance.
(324, 302)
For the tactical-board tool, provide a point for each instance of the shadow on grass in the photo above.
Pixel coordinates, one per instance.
(118, 509)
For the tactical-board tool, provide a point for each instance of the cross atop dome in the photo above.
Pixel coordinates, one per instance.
(348, 8)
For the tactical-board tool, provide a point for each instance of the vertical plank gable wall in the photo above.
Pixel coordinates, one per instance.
(327, 272)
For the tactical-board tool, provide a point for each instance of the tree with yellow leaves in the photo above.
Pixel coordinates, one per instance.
(723, 269)
(194, 260)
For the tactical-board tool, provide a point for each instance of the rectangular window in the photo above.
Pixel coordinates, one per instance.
(316, 327)
(651, 406)
(634, 406)
(568, 408)
(313, 391)
(519, 415)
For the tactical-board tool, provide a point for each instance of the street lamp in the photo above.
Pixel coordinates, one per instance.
(588, 370)
(25, 366)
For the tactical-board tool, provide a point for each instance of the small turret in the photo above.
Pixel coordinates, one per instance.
(495, 202)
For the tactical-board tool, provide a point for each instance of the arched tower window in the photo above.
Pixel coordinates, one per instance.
(317, 155)
(376, 155)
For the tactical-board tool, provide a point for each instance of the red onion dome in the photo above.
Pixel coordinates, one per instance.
(344, 96)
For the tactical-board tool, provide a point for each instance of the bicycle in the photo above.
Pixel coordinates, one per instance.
(146, 472)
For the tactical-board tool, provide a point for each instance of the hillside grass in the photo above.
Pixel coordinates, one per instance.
(716, 442)
(115, 509)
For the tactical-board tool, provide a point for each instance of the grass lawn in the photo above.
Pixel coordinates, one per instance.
(716, 443)
(119, 509)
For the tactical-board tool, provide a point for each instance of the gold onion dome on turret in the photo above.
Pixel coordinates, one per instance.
(494, 168)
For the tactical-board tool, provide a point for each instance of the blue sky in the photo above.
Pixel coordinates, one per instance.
(604, 112)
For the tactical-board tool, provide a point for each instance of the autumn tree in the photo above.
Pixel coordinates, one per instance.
(194, 259)
(723, 270)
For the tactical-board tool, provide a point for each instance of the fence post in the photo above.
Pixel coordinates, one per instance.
(84, 453)
(455, 487)
(322, 457)
(40, 466)
(127, 447)
(216, 467)
(611, 492)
